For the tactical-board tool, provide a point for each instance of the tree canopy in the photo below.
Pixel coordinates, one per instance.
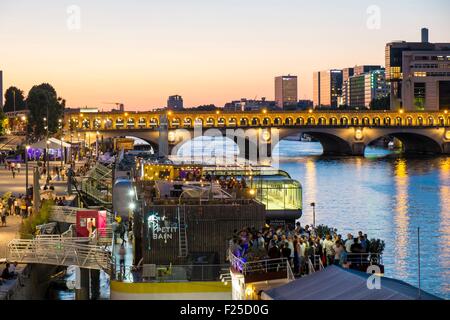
(3, 123)
(14, 96)
(44, 103)
(383, 103)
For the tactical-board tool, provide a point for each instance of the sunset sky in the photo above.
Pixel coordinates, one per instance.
(208, 51)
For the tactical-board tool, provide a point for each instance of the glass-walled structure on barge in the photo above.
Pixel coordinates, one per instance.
(281, 195)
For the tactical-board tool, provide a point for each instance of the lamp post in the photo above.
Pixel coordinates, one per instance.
(62, 152)
(26, 169)
(313, 205)
(48, 162)
(96, 144)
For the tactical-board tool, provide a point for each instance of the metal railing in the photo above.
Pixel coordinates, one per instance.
(263, 266)
(59, 251)
(64, 214)
(363, 258)
(170, 273)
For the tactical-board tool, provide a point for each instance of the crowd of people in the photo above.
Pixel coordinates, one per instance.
(299, 245)
(15, 206)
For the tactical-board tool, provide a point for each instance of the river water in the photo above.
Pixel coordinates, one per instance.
(386, 196)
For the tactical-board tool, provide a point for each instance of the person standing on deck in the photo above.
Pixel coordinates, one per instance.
(328, 249)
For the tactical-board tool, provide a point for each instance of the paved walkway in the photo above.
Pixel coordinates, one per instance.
(8, 233)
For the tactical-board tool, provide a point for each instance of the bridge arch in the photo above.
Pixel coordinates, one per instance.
(398, 121)
(387, 121)
(86, 123)
(355, 121)
(333, 121)
(142, 122)
(376, 121)
(343, 121)
(131, 123)
(331, 143)
(409, 121)
(210, 122)
(255, 121)
(278, 121)
(153, 122)
(108, 123)
(300, 121)
(221, 122)
(430, 121)
(311, 121)
(97, 123)
(232, 122)
(289, 121)
(419, 121)
(119, 123)
(322, 121)
(266, 121)
(413, 143)
(187, 122)
(366, 121)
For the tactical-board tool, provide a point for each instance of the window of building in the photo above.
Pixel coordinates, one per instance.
(419, 95)
(444, 95)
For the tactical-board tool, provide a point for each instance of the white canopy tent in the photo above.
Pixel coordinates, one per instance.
(53, 144)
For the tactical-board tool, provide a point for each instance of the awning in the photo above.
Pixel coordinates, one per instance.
(54, 144)
(336, 283)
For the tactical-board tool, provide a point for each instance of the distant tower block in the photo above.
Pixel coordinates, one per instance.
(425, 35)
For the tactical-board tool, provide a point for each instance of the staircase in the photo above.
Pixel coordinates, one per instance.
(182, 234)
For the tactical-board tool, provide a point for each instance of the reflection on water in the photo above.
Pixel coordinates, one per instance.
(387, 198)
(401, 215)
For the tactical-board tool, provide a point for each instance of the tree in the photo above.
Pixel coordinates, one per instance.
(44, 103)
(206, 107)
(3, 123)
(383, 103)
(14, 96)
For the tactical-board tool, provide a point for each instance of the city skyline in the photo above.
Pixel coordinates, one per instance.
(211, 60)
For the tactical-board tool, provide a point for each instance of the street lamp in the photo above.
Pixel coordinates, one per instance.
(62, 151)
(313, 205)
(48, 162)
(26, 169)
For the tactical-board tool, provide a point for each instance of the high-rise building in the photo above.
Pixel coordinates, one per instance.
(327, 88)
(286, 91)
(175, 103)
(365, 87)
(347, 73)
(1, 89)
(419, 74)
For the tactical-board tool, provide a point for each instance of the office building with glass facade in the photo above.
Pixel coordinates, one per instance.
(419, 74)
(327, 88)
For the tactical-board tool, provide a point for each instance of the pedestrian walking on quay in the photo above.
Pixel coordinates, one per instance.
(13, 173)
(3, 215)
